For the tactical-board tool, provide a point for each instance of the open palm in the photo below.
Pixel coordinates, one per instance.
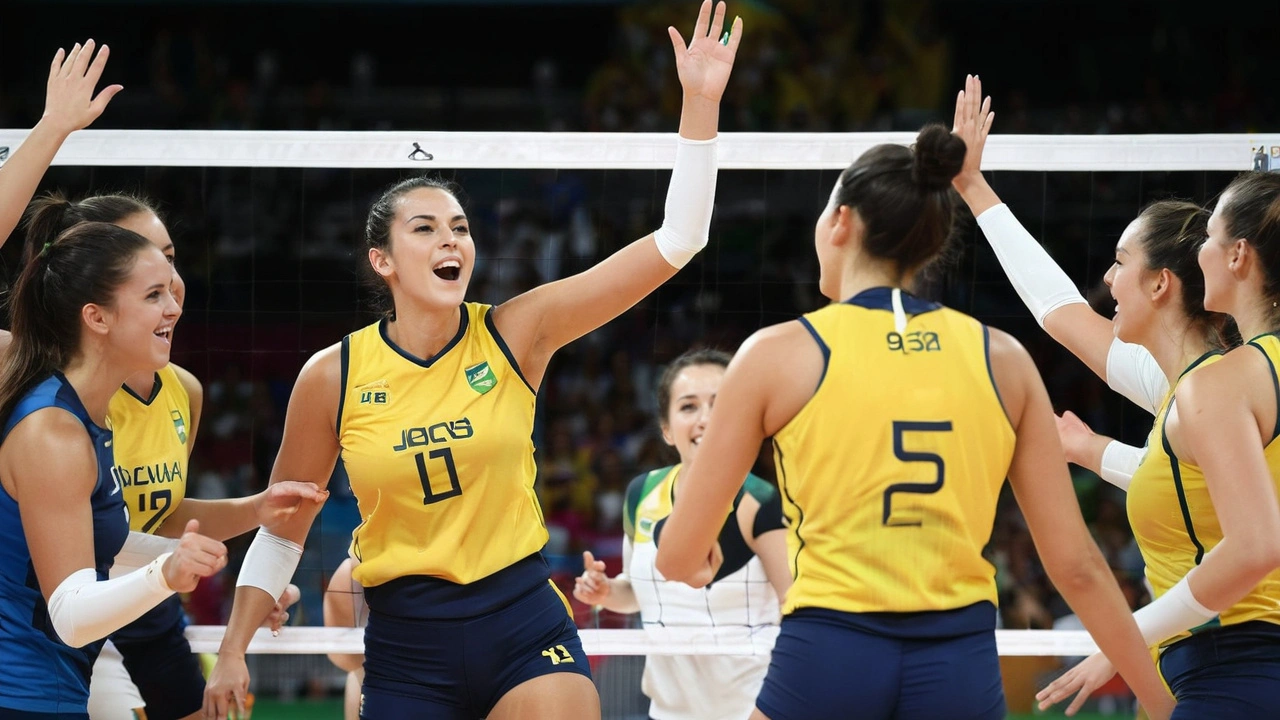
(705, 62)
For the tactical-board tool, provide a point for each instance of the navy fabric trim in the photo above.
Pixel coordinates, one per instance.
(881, 298)
(346, 366)
(156, 384)
(506, 351)
(1177, 485)
(1275, 383)
(991, 372)
(782, 484)
(462, 331)
(826, 351)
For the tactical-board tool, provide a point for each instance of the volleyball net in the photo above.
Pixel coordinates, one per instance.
(269, 235)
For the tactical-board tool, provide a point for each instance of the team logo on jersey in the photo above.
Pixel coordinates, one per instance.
(481, 378)
(375, 393)
(179, 426)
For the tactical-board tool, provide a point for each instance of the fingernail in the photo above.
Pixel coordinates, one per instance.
(725, 40)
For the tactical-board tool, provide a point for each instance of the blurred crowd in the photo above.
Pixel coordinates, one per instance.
(271, 256)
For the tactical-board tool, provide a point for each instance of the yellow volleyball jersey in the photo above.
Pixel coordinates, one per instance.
(1173, 518)
(150, 437)
(440, 455)
(891, 472)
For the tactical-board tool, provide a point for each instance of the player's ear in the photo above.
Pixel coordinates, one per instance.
(381, 261)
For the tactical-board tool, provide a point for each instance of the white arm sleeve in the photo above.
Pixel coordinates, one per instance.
(1134, 373)
(269, 563)
(686, 226)
(1041, 284)
(1119, 462)
(627, 548)
(1174, 612)
(140, 549)
(83, 609)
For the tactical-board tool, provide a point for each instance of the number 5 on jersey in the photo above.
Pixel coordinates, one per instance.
(900, 429)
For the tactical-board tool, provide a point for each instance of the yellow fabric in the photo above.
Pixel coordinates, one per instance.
(440, 456)
(150, 444)
(916, 407)
(1173, 518)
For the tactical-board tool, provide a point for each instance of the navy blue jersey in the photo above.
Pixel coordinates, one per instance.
(42, 674)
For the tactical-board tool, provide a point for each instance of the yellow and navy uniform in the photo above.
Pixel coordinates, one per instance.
(890, 476)
(152, 443)
(1173, 518)
(440, 456)
(891, 472)
(151, 448)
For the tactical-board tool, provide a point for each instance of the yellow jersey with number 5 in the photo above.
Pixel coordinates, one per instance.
(440, 455)
(150, 442)
(891, 472)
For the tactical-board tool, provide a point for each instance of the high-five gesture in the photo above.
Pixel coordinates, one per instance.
(70, 104)
(972, 124)
(705, 61)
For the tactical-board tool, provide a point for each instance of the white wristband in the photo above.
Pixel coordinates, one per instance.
(1172, 613)
(269, 563)
(1119, 462)
(686, 226)
(84, 609)
(1041, 284)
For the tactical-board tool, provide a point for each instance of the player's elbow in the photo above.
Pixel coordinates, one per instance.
(1077, 573)
(1258, 555)
(672, 566)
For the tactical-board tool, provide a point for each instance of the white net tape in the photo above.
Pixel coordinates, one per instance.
(627, 151)
(666, 641)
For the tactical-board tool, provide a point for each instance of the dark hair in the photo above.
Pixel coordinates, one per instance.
(377, 229)
(84, 265)
(690, 358)
(1172, 232)
(904, 197)
(48, 216)
(1251, 210)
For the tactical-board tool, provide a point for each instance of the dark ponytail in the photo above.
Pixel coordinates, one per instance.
(81, 266)
(50, 215)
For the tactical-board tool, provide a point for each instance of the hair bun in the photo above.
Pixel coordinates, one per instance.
(938, 156)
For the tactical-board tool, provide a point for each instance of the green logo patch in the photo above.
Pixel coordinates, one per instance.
(481, 378)
(179, 426)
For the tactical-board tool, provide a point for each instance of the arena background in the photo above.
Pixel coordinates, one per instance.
(271, 257)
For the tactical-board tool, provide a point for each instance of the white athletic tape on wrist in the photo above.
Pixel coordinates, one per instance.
(1120, 462)
(84, 609)
(1041, 284)
(686, 225)
(269, 563)
(1172, 613)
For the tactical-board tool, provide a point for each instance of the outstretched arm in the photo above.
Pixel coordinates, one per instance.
(69, 106)
(1045, 289)
(541, 321)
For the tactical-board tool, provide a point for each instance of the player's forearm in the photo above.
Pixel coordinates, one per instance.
(20, 176)
(248, 611)
(219, 519)
(622, 597)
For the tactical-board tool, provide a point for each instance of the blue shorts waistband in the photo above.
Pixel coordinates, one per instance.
(424, 597)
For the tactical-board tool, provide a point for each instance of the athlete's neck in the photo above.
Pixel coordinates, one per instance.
(424, 334)
(862, 273)
(1175, 345)
(95, 381)
(141, 383)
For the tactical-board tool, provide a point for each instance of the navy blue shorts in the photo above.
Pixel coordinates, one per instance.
(825, 665)
(167, 673)
(7, 714)
(1228, 673)
(460, 669)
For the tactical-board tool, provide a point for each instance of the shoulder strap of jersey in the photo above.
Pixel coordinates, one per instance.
(638, 489)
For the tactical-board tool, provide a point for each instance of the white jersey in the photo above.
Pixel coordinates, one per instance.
(699, 687)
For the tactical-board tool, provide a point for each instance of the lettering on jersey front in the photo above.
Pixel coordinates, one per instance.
(436, 434)
(154, 474)
(439, 434)
(913, 342)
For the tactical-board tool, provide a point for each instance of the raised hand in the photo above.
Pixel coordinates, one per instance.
(972, 123)
(195, 557)
(281, 500)
(70, 104)
(705, 61)
(592, 586)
